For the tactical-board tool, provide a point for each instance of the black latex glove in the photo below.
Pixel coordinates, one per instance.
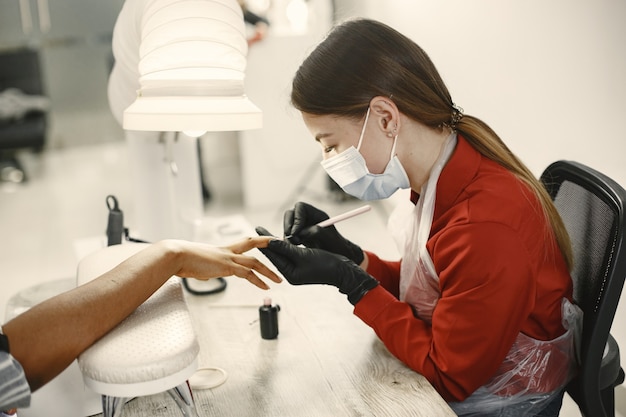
(302, 266)
(300, 224)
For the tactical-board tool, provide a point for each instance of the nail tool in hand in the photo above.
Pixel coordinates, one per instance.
(341, 217)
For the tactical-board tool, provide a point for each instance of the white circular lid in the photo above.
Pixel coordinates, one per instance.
(207, 378)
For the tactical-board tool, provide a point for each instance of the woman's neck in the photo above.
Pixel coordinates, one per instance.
(418, 149)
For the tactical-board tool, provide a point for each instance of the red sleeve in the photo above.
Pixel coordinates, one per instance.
(487, 292)
(386, 272)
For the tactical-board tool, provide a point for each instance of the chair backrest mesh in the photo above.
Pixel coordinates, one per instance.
(592, 207)
(590, 223)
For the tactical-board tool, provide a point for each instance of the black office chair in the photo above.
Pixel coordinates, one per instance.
(20, 71)
(593, 209)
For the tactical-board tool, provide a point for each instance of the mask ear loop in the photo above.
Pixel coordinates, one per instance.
(367, 115)
(393, 148)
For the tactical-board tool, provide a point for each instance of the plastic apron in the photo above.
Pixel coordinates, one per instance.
(534, 371)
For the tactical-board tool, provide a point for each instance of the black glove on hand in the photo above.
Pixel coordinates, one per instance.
(301, 266)
(300, 224)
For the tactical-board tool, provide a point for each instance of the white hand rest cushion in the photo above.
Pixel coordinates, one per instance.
(151, 351)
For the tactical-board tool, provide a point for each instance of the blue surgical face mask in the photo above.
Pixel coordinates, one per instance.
(349, 170)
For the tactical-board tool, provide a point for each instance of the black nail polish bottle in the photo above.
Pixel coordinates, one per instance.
(268, 317)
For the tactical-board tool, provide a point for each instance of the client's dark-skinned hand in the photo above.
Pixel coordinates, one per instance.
(300, 223)
(302, 266)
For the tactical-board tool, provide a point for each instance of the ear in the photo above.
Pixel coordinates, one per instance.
(386, 114)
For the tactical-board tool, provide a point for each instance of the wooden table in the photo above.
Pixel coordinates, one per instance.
(325, 361)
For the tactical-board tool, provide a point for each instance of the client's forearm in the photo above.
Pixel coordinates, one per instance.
(49, 336)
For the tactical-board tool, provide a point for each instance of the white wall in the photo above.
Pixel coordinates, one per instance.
(548, 76)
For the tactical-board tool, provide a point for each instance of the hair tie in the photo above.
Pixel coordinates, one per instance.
(457, 115)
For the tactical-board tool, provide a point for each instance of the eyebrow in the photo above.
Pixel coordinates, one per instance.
(321, 136)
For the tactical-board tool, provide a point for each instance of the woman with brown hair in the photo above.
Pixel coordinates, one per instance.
(480, 302)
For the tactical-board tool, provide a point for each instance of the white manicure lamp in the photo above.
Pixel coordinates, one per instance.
(179, 67)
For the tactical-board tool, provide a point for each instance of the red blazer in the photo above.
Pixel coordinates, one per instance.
(500, 273)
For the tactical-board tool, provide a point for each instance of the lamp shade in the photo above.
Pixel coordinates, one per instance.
(180, 66)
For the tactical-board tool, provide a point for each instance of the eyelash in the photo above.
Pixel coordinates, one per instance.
(328, 149)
